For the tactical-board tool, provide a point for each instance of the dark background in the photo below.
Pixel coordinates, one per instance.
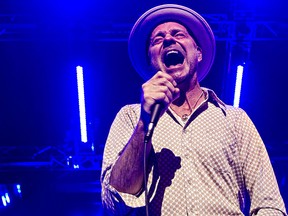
(42, 42)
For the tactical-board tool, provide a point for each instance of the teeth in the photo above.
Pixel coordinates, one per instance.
(173, 57)
(172, 52)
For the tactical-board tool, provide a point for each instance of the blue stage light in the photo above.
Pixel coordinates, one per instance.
(81, 100)
(18, 187)
(4, 201)
(7, 197)
(238, 86)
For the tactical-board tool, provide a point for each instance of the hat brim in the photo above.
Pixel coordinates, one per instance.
(195, 24)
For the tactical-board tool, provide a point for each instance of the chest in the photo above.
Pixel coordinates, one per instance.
(207, 140)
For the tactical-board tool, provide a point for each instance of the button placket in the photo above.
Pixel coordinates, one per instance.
(190, 190)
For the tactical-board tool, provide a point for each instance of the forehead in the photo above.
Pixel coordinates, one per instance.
(168, 26)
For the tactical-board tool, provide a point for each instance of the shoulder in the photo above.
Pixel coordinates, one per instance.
(228, 110)
(237, 112)
(131, 109)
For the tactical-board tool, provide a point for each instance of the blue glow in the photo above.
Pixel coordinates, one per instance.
(81, 100)
(69, 159)
(7, 197)
(238, 86)
(76, 166)
(4, 201)
(18, 186)
(92, 147)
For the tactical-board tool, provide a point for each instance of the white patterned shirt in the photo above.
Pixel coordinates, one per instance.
(205, 166)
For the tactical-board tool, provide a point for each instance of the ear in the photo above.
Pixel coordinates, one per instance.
(199, 54)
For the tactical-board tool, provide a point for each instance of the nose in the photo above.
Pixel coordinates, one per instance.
(168, 40)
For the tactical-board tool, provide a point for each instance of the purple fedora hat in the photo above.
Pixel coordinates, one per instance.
(195, 24)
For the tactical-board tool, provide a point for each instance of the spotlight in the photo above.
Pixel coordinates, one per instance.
(81, 100)
(238, 86)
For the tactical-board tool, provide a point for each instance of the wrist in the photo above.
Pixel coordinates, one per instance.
(144, 119)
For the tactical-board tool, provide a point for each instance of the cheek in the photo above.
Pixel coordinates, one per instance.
(153, 56)
(150, 53)
(193, 55)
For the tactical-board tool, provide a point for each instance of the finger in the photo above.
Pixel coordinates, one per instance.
(163, 79)
(160, 88)
(166, 76)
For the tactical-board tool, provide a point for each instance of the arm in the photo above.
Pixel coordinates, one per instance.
(127, 173)
(122, 168)
(122, 128)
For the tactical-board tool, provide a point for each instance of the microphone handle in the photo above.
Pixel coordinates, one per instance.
(155, 115)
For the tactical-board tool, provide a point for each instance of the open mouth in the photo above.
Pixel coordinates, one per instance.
(173, 58)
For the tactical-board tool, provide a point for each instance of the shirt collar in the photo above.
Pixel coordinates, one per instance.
(212, 97)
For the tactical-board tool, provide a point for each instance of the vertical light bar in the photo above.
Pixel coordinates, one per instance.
(238, 85)
(81, 101)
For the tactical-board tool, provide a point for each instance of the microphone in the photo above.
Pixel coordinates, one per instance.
(155, 115)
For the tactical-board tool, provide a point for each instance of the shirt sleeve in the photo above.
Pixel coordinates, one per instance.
(123, 126)
(258, 173)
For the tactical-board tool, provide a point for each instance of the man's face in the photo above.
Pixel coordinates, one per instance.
(172, 50)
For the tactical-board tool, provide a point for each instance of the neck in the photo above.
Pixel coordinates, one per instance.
(189, 99)
(189, 91)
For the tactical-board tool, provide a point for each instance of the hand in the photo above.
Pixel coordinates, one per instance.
(161, 88)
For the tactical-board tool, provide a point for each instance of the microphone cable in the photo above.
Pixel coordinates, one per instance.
(155, 115)
(146, 140)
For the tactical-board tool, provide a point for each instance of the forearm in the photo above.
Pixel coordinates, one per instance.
(127, 173)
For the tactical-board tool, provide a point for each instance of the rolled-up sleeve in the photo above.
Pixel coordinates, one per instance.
(123, 126)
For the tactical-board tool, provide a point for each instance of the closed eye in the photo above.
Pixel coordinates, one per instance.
(180, 35)
(157, 40)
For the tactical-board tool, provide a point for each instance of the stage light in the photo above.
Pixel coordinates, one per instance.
(92, 147)
(69, 161)
(4, 201)
(76, 166)
(18, 187)
(9, 194)
(7, 197)
(81, 101)
(238, 86)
